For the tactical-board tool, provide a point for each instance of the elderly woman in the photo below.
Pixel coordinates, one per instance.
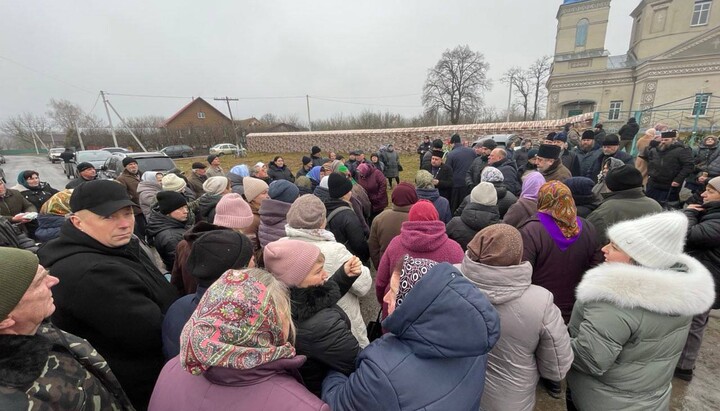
(608, 164)
(373, 181)
(534, 341)
(236, 176)
(215, 188)
(167, 223)
(230, 361)
(323, 328)
(306, 221)
(150, 184)
(441, 329)
(52, 216)
(35, 191)
(42, 366)
(633, 314)
(526, 205)
(426, 190)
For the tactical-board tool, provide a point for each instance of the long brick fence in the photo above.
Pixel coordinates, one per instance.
(404, 139)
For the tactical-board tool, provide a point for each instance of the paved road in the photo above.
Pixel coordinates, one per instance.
(49, 172)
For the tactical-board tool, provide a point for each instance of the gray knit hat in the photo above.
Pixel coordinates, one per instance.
(655, 240)
(18, 272)
(308, 211)
(484, 193)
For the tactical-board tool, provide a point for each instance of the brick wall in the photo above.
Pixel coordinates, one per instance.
(404, 139)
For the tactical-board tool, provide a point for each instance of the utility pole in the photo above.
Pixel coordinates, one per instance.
(35, 142)
(232, 120)
(509, 98)
(137, 140)
(307, 101)
(112, 129)
(80, 140)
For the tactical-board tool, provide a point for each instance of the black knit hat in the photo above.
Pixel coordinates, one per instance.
(306, 160)
(338, 185)
(437, 143)
(560, 137)
(455, 138)
(549, 151)
(169, 201)
(588, 135)
(669, 134)
(215, 252)
(489, 144)
(551, 135)
(211, 157)
(84, 166)
(128, 160)
(315, 150)
(611, 140)
(623, 178)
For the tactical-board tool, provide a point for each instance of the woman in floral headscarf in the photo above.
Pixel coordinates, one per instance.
(236, 351)
(52, 216)
(559, 244)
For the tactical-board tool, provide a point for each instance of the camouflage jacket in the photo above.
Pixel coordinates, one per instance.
(54, 370)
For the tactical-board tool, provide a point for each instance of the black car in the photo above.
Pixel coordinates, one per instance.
(149, 161)
(178, 151)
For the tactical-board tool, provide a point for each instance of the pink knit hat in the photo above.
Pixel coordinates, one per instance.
(233, 212)
(290, 261)
(423, 210)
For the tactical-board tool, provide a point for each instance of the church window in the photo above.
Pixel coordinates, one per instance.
(701, 104)
(615, 107)
(701, 12)
(581, 31)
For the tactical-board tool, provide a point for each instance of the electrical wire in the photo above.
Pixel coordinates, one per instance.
(371, 98)
(46, 75)
(363, 104)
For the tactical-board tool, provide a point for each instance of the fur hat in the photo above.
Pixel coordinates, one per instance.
(253, 188)
(438, 153)
(588, 135)
(19, 268)
(308, 211)
(233, 212)
(492, 175)
(549, 151)
(169, 201)
(128, 160)
(423, 210)
(484, 193)
(215, 252)
(404, 194)
(338, 185)
(215, 185)
(423, 179)
(290, 261)
(611, 140)
(171, 182)
(283, 190)
(623, 178)
(655, 240)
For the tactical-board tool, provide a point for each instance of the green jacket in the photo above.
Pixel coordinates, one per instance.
(620, 206)
(627, 331)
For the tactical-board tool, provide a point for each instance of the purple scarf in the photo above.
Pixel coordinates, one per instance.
(555, 233)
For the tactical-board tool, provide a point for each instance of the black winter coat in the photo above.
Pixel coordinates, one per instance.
(459, 159)
(165, 232)
(347, 229)
(206, 207)
(509, 170)
(474, 218)
(116, 299)
(11, 236)
(587, 163)
(505, 200)
(629, 130)
(585, 204)
(673, 164)
(39, 195)
(280, 173)
(703, 240)
(323, 330)
(444, 174)
(472, 177)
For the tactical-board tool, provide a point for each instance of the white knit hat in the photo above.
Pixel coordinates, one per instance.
(484, 193)
(171, 182)
(655, 240)
(253, 187)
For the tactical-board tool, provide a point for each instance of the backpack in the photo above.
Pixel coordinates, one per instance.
(335, 212)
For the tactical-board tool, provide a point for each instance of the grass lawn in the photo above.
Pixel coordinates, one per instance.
(410, 162)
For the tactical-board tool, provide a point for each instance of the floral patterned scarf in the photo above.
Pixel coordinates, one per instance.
(555, 199)
(413, 269)
(235, 325)
(58, 204)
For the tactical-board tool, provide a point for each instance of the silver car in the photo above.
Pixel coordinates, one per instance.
(225, 148)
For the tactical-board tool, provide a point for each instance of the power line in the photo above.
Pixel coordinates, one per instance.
(364, 104)
(46, 75)
(187, 97)
(370, 98)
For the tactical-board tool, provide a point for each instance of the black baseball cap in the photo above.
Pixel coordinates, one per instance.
(102, 197)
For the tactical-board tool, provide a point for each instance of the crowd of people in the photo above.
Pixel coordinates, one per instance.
(496, 269)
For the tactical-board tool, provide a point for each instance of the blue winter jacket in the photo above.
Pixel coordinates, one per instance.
(434, 356)
(48, 227)
(175, 319)
(460, 159)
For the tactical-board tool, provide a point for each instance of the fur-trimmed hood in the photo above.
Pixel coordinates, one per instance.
(663, 291)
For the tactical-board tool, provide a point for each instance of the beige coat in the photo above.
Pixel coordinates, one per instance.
(534, 341)
(335, 256)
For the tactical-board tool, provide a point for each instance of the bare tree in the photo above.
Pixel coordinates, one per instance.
(21, 128)
(521, 83)
(538, 73)
(457, 82)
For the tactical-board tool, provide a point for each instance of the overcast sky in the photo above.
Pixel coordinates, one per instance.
(374, 54)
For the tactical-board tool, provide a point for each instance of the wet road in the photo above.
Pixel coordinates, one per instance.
(49, 172)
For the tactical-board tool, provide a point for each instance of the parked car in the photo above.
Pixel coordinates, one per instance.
(2, 174)
(2, 159)
(95, 157)
(178, 151)
(220, 149)
(116, 149)
(502, 140)
(148, 161)
(54, 154)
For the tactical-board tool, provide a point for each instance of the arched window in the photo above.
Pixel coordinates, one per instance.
(581, 33)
